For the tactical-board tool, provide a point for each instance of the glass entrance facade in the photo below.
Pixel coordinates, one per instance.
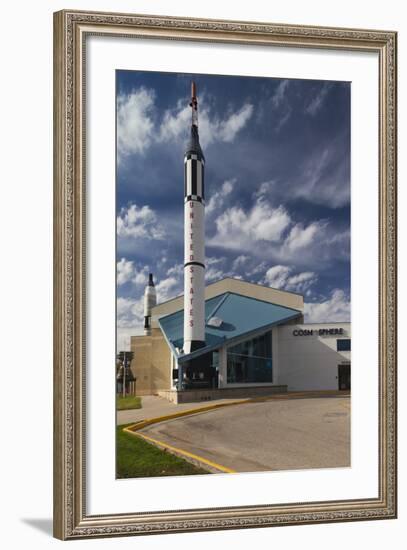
(250, 362)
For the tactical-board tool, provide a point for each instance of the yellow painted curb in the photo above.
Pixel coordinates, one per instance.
(182, 452)
(134, 430)
(148, 421)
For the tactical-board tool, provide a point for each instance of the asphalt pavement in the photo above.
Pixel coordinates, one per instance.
(267, 435)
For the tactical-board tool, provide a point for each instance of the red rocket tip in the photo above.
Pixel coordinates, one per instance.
(194, 105)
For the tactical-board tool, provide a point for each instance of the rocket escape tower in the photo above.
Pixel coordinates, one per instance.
(194, 237)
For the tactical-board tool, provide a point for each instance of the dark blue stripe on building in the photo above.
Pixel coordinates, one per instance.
(194, 178)
(185, 180)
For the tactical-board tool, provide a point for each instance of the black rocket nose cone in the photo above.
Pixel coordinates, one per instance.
(150, 279)
(193, 145)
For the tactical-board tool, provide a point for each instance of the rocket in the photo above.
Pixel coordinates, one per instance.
(150, 300)
(194, 237)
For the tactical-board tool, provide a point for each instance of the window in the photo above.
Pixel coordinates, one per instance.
(343, 345)
(250, 361)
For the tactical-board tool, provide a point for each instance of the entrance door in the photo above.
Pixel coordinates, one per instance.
(344, 377)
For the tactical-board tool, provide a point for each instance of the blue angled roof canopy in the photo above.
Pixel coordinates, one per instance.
(233, 316)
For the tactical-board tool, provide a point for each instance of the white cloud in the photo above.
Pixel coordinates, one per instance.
(325, 177)
(279, 93)
(281, 108)
(210, 260)
(134, 121)
(258, 268)
(175, 123)
(284, 118)
(228, 128)
(217, 199)
(137, 129)
(136, 222)
(240, 261)
(301, 236)
(129, 312)
(264, 189)
(214, 270)
(239, 229)
(213, 274)
(280, 276)
(140, 277)
(176, 270)
(169, 288)
(336, 308)
(126, 271)
(277, 276)
(266, 231)
(316, 103)
(301, 282)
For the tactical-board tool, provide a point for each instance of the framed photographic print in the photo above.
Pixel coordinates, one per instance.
(225, 267)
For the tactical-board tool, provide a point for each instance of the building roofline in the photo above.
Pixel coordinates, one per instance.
(262, 286)
(229, 293)
(328, 323)
(232, 279)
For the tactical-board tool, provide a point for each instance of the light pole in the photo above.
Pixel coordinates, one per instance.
(124, 375)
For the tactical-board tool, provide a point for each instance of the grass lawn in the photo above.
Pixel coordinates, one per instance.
(128, 402)
(137, 458)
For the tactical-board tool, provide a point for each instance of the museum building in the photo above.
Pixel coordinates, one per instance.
(256, 343)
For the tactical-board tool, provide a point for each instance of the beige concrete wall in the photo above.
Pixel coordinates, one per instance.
(267, 294)
(151, 364)
(193, 396)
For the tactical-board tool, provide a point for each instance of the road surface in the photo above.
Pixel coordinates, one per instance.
(268, 435)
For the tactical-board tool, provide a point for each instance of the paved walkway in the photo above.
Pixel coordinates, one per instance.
(154, 406)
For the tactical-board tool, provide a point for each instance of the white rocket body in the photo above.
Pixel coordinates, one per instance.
(194, 260)
(150, 300)
(194, 239)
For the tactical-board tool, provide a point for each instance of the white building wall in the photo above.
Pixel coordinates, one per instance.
(275, 348)
(310, 362)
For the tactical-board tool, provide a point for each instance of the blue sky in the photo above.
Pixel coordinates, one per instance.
(277, 184)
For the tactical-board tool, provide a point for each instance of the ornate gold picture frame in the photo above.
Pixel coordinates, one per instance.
(72, 29)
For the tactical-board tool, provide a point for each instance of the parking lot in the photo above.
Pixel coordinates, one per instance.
(266, 435)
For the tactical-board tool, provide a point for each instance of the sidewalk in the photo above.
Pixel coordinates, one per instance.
(154, 406)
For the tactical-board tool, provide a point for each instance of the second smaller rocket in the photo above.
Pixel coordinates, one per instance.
(150, 300)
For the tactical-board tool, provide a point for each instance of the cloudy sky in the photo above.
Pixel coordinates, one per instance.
(277, 185)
